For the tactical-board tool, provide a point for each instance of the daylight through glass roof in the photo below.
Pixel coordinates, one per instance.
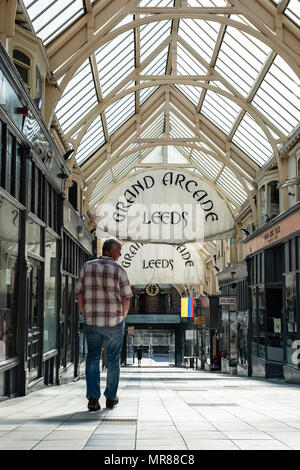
(172, 82)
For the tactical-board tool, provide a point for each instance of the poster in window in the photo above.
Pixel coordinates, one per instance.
(277, 325)
(291, 309)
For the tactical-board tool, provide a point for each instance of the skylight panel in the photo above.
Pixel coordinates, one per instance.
(174, 156)
(91, 141)
(187, 64)
(102, 186)
(155, 129)
(156, 3)
(145, 93)
(232, 186)
(176, 125)
(191, 92)
(122, 166)
(252, 140)
(158, 65)
(78, 98)
(240, 59)
(50, 19)
(293, 11)
(206, 3)
(151, 35)
(220, 110)
(278, 96)
(115, 60)
(201, 35)
(207, 163)
(156, 156)
(119, 112)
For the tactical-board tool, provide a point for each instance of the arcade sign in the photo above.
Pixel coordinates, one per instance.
(159, 206)
(153, 264)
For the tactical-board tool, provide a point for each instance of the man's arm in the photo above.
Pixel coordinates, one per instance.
(125, 305)
(80, 301)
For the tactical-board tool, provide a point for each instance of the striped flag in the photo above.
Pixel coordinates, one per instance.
(187, 307)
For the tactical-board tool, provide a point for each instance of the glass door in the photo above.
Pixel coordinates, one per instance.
(34, 308)
(67, 321)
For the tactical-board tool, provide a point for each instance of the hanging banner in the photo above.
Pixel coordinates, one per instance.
(187, 307)
(161, 206)
(147, 263)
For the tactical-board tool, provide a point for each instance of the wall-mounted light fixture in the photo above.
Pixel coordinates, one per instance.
(24, 111)
(245, 232)
(68, 154)
(63, 176)
(216, 269)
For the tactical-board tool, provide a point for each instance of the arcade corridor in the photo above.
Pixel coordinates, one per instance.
(163, 408)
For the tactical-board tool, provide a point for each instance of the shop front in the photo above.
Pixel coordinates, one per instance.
(234, 332)
(274, 267)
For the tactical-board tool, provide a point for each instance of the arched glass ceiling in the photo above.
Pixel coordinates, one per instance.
(202, 87)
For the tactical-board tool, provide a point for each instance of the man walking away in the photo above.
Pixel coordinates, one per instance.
(103, 293)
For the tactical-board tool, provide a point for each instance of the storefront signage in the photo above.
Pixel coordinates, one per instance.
(200, 321)
(227, 300)
(151, 263)
(164, 206)
(289, 225)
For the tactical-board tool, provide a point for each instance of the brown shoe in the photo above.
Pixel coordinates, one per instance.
(93, 404)
(110, 403)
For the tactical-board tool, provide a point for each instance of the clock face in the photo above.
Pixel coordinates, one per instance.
(152, 289)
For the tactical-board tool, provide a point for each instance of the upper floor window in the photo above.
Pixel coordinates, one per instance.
(38, 88)
(23, 63)
(262, 194)
(273, 199)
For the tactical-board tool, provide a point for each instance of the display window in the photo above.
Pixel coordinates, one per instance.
(50, 293)
(9, 243)
(291, 313)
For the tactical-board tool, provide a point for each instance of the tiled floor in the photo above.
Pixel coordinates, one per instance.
(161, 408)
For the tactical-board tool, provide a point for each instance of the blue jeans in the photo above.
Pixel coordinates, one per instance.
(113, 338)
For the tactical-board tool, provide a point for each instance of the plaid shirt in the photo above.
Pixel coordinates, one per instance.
(103, 283)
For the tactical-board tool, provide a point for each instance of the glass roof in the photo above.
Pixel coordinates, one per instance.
(170, 79)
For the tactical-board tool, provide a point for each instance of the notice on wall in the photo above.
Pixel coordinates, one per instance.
(160, 206)
(147, 263)
(277, 325)
(189, 335)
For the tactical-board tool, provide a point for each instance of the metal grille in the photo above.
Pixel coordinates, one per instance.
(118, 420)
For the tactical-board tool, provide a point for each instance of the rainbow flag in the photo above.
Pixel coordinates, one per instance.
(187, 307)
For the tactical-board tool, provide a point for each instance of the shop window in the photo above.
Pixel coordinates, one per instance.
(273, 199)
(22, 63)
(291, 314)
(50, 298)
(274, 324)
(9, 240)
(254, 321)
(33, 238)
(261, 311)
(73, 195)
(262, 195)
(38, 88)
(2, 131)
(19, 152)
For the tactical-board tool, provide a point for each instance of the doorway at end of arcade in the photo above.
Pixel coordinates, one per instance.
(157, 346)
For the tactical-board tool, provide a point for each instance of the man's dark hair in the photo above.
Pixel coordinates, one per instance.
(108, 244)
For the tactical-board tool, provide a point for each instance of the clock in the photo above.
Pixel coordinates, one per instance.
(152, 289)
